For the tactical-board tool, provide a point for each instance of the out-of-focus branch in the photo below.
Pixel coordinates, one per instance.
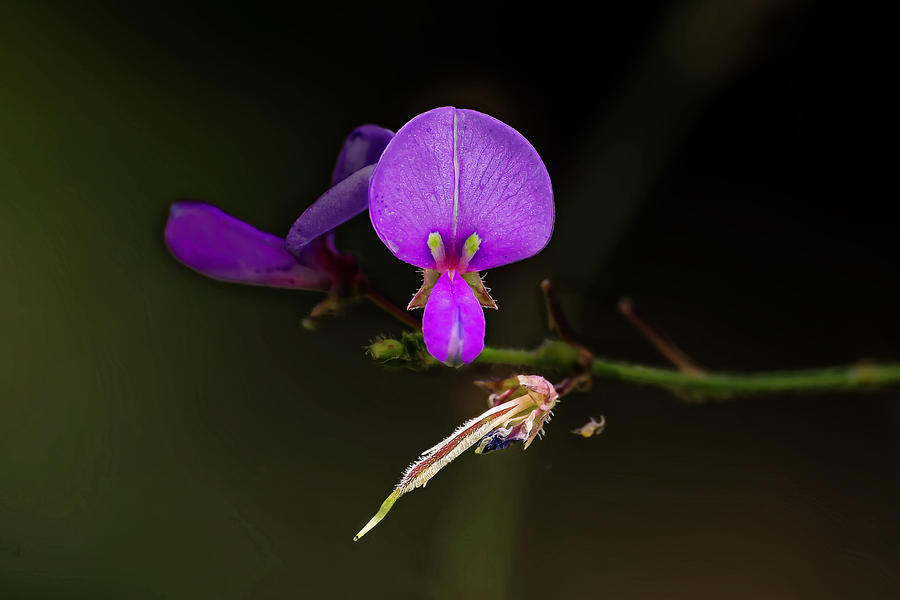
(382, 302)
(663, 345)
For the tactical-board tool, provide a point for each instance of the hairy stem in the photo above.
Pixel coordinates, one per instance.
(691, 382)
(559, 355)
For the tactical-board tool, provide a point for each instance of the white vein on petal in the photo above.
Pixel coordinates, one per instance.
(455, 180)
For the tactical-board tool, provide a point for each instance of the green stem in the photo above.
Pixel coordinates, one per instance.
(559, 355)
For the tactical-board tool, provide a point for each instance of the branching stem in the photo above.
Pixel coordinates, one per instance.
(562, 356)
(663, 345)
(691, 383)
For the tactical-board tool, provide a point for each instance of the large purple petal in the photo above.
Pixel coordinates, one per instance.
(411, 192)
(335, 207)
(459, 172)
(453, 323)
(504, 192)
(217, 245)
(363, 147)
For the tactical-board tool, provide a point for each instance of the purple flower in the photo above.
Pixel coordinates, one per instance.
(457, 192)
(222, 247)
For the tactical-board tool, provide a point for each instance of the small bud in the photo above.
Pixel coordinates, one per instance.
(386, 349)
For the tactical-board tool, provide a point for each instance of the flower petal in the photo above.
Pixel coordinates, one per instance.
(363, 147)
(335, 207)
(411, 193)
(504, 192)
(348, 195)
(459, 172)
(219, 246)
(453, 323)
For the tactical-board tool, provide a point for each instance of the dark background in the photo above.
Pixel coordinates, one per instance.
(726, 164)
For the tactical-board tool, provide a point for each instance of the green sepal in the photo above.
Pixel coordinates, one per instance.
(473, 278)
(429, 278)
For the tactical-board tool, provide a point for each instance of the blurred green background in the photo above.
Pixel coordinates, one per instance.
(167, 436)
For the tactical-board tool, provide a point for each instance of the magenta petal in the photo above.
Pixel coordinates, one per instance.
(459, 172)
(335, 207)
(219, 246)
(453, 323)
(362, 147)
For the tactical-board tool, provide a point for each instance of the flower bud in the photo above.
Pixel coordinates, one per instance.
(518, 410)
(385, 349)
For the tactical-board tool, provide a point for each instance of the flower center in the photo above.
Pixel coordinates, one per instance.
(444, 262)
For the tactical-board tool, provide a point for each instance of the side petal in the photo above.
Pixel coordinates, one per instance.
(411, 193)
(453, 323)
(504, 191)
(363, 147)
(335, 207)
(219, 246)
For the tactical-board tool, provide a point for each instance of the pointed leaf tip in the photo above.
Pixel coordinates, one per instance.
(382, 513)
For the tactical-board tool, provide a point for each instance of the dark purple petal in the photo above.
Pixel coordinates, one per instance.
(362, 148)
(459, 172)
(219, 246)
(335, 207)
(347, 198)
(453, 323)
